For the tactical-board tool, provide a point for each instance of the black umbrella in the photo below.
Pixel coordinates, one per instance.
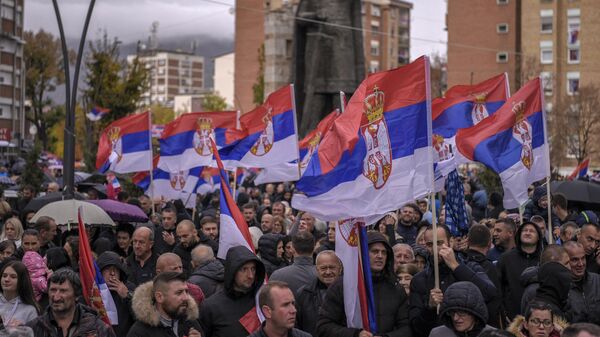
(578, 190)
(37, 203)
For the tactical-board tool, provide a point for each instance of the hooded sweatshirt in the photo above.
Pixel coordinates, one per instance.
(462, 296)
(510, 266)
(267, 248)
(123, 305)
(221, 313)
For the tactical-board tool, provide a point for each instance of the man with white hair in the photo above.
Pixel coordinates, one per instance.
(403, 254)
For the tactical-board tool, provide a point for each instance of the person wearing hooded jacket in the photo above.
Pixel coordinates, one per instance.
(221, 313)
(528, 247)
(463, 312)
(270, 249)
(391, 302)
(115, 276)
(424, 297)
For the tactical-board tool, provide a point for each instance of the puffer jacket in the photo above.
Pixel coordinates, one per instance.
(220, 314)
(510, 266)
(267, 249)
(532, 208)
(148, 318)
(391, 303)
(209, 277)
(88, 324)
(463, 296)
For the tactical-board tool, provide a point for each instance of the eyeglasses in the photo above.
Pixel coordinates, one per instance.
(536, 321)
(461, 314)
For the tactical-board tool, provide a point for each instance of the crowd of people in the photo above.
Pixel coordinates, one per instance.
(504, 277)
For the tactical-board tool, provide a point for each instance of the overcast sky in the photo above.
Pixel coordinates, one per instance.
(130, 20)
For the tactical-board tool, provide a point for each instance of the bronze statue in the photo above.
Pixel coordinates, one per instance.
(328, 57)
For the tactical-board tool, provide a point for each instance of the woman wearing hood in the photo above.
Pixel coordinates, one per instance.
(270, 249)
(463, 312)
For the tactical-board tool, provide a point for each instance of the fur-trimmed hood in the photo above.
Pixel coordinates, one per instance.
(143, 307)
(516, 326)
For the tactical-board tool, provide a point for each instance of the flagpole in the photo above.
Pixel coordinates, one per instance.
(296, 130)
(549, 172)
(234, 183)
(436, 268)
(342, 101)
(151, 161)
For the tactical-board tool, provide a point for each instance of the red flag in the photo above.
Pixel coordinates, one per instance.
(88, 272)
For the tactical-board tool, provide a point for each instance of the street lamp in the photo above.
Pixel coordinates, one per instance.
(71, 99)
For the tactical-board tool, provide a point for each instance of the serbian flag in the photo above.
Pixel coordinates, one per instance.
(580, 171)
(113, 187)
(377, 155)
(180, 185)
(185, 141)
(307, 146)
(512, 143)
(462, 107)
(233, 229)
(97, 113)
(124, 145)
(210, 181)
(95, 291)
(269, 135)
(352, 248)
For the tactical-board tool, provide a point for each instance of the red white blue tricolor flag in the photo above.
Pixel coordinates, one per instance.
(462, 107)
(581, 170)
(233, 230)
(124, 145)
(95, 291)
(97, 113)
(268, 136)
(308, 145)
(352, 248)
(512, 142)
(185, 141)
(377, 155)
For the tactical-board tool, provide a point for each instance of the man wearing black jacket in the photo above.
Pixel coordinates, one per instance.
(424, 297)
(512, 263)
(113, 272)
(188, 237)
(164, 234)
(391, 302)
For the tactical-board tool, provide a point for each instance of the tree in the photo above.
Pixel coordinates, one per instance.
(214, 102)
(110, 84)
(258, 89)
(438, 75)
(578, 118)
(44, 72)
(33, 174)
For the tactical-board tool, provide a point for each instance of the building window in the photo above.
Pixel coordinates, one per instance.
(573, 28)
(546, 19)
(161, 62)
(547, 83)
(574, 55)
(375, 10)
(375, 26)
(572, 82)
(502, 2)
(502, 57)
(546, 54)
(161, 71)
(374, 66)
(502, 28)
(374, 48)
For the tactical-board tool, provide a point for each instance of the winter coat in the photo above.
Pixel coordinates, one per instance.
(530, 283)
(220, 313)
(494, 306)
(148, 318)
(516, 327)
(86, 323)
(209, 277)
(391, 303)
(308, 302)
(462, 296)
(185, 253)
(291, 333)
(584, 299)
(123, 305)
(532, 208)
(510, 266)
(300, 273)
(423, 318)
(140, 274)
(23, 313)
(160, 245)
(267, 248)
(37, 273)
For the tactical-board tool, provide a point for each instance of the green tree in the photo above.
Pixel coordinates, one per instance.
(33, 174)
(258, 89)
(214, 102)
(110, 84)
(44, 72)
